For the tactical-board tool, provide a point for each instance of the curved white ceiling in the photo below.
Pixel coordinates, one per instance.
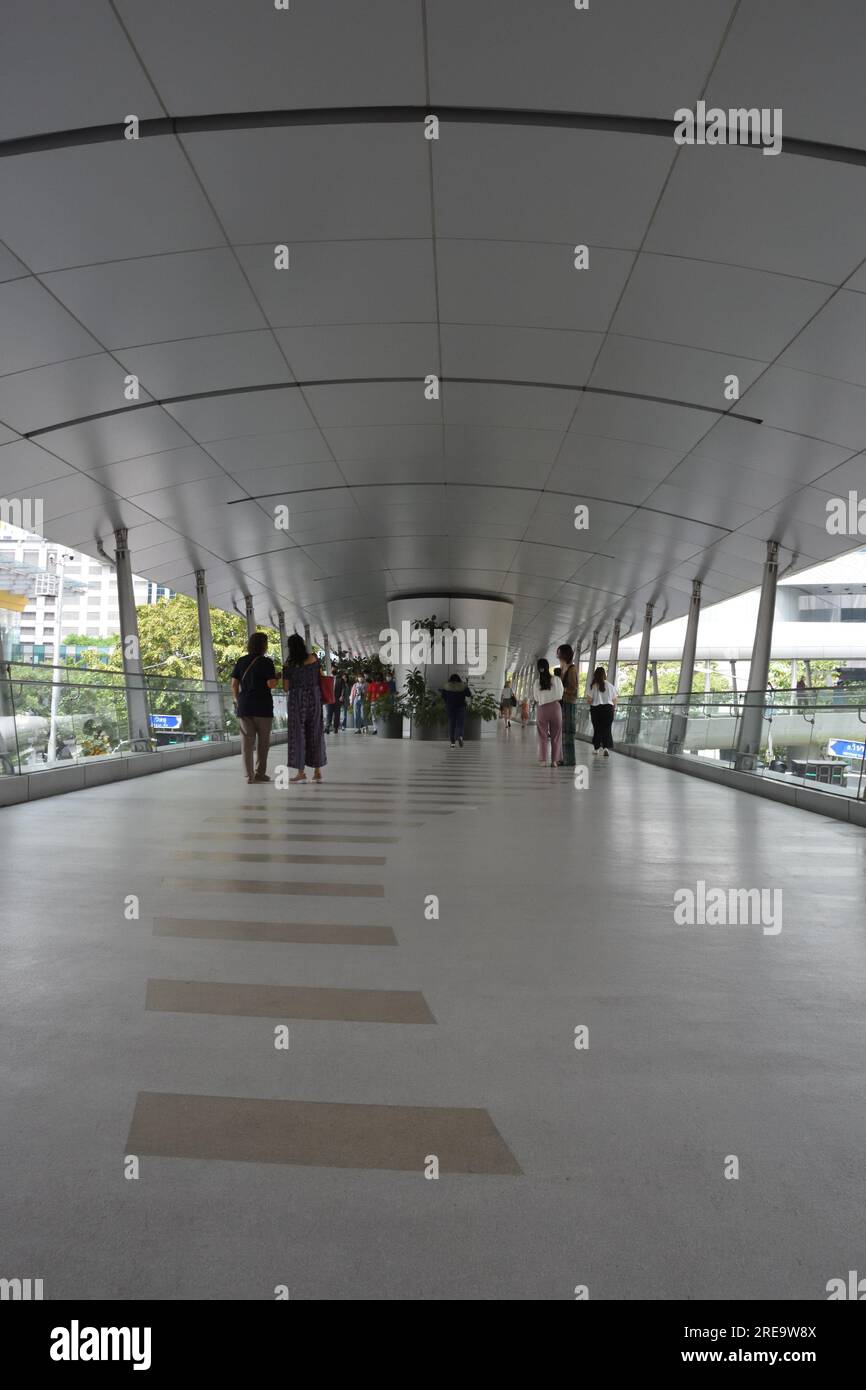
(454, 257)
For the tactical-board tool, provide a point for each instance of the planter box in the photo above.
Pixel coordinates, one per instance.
(391, 726)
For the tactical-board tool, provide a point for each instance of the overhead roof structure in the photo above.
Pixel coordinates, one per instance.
(453, 257)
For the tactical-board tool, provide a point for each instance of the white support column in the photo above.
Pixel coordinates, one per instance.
(308, 641)
(136, 690)
(752, 712)
(679, 721)
(326, 644)
(634, 715)
(212, 694)
(250, 612)
(614, 653)
(284, 639)
(593, 657)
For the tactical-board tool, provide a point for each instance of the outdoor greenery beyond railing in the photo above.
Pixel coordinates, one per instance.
(51, 715)
(813, 737)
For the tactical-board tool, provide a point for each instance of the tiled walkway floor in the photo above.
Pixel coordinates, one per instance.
(302, 915)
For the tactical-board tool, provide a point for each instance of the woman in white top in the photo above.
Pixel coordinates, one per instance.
(547, 693)
(602, 700)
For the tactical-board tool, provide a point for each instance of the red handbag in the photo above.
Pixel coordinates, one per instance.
(326, 684)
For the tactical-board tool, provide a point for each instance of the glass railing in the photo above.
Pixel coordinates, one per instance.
(56, 715)
(812, 738)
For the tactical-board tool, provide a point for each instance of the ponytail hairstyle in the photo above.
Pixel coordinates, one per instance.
(599, 679)
(545, 679)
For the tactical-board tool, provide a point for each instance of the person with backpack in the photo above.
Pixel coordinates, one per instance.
(547, 692)
(602, 700)
(253, 679)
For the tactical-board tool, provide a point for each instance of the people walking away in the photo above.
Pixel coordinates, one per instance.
(507, 703)
(570, 694)
(602, 700)
(357, 700)
(547, 691)
(306, 728)
(253, 679)
(334, 709)
(455, 693)
(345, 702)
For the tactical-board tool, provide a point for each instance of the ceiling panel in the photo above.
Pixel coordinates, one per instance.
(505, 53)
(320, 55)
(67, 390)
(35, 330)
(120, 199)
(65, 66)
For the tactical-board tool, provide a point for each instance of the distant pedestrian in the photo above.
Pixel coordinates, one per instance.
(507, 703)
(547, 692)
(569, 677)
(602, 700)
(306, 729)
(357, 700)
(455, 693)
(334, 709)
(253, 679)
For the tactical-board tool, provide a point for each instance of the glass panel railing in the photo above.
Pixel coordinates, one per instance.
(51, 716)
(814, 738)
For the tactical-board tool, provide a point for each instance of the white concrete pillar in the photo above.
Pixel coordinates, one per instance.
(136, 688)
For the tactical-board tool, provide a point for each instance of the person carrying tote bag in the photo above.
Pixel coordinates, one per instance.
(253, 679)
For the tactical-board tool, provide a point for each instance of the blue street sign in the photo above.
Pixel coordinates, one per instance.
(846, 748)
(165, 721)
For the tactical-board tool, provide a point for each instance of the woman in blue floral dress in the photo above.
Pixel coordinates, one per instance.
(306, 729)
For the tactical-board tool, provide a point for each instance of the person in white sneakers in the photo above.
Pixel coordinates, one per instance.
(547, 692)
(602, 700)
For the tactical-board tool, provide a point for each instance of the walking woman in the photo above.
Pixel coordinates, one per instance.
(602, 700)
(253, 679)
(507, 702)
(547, 691)
(569, 677)
(306, 735)
(455, 693)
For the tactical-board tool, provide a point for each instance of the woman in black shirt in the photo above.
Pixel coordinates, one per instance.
(253, 679)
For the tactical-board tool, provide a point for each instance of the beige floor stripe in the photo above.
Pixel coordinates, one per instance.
(321, 933)
(318, 1134)
(292, 835)
(231, 856)
(279, 815)
(288, 1001)
(255, 885)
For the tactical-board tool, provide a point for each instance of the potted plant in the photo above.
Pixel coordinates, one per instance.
(481, 707)
(388, 712)
(425, 708)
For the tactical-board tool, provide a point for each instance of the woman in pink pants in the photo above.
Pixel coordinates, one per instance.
(548, 715)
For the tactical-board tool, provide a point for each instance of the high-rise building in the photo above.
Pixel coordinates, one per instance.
(89, 599)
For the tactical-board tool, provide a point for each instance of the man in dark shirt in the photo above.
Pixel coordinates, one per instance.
(253, 679)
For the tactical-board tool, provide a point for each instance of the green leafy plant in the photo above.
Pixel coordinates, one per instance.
(392, 705)
(424, 707)
(484, 703)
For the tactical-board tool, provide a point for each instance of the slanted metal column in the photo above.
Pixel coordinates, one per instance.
(308, 641)
(326, 644)
(633, 723)
(677, 734)
(614, 654)
(752, 712)
(593, 657)
(250, 612)
(136, 691)
(284, 638)
(213, 702)
(655, 673)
